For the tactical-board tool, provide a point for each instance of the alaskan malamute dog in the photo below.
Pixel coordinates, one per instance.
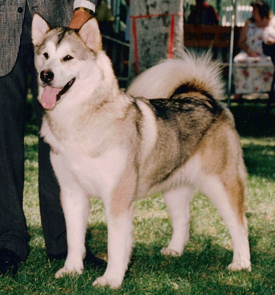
(114, 146)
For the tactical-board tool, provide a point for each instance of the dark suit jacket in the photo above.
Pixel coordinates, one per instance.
(56, 12)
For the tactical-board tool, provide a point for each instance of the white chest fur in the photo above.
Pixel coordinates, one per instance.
(90, 162)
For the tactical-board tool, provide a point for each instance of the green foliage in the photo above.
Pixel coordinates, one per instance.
(202, 269)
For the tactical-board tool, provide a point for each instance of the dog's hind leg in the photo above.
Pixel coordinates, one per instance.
(227, 195)
(177, 201)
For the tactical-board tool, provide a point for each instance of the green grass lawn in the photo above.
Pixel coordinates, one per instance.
(202, 269)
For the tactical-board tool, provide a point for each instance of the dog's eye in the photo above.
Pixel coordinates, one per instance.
(46, 55)
(67, 57)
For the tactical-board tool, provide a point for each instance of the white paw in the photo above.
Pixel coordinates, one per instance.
(169, 252)
(239, 265)
(104, 281)
(68, 271)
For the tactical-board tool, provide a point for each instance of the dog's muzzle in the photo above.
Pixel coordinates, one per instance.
(46, 76)
(51, 95)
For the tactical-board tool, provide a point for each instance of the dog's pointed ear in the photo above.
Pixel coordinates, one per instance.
(39, 28)
(90, 34)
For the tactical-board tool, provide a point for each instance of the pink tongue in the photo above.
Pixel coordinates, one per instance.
(49, 94)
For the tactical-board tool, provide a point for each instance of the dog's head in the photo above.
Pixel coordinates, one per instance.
(60, 56)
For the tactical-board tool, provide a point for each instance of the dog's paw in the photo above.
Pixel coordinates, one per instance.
(240, 265)
(66, 271)
(169, 252)
(104, 281)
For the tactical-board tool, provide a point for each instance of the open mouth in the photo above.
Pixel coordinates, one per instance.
(51, 96)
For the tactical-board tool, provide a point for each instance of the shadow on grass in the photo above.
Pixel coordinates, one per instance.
(202, 269)
(260, 160)
(251, 119)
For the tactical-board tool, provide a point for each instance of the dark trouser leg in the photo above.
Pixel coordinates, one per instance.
(52, 217)
(13, 229)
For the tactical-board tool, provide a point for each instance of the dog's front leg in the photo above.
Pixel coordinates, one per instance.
(119, 249)
(75, 205)
(119, 213)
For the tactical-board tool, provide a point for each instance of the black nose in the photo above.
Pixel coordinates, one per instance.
(46, 76)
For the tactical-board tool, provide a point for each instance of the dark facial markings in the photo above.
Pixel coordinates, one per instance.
(57, 36)
(67, 57)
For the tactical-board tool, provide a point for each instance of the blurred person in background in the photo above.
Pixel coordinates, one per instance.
(203, 14)
(253, 70)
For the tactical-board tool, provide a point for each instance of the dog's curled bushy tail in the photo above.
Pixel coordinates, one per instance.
(197, 71)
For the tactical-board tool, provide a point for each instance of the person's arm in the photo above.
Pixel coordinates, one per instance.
(83, 10)
(269, 32)
(242, 41)
(270, 41)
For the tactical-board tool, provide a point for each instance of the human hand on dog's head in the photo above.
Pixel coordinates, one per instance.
(79, 19)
